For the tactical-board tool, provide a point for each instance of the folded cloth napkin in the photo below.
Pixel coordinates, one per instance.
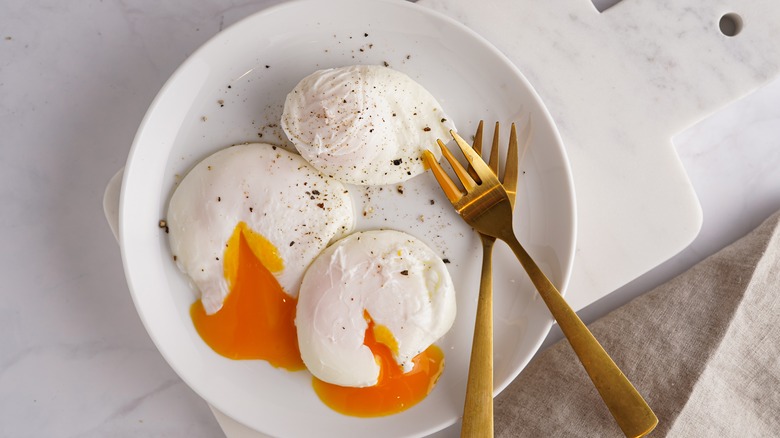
(703, 349)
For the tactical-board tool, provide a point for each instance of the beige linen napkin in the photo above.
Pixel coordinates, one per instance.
(703, 349)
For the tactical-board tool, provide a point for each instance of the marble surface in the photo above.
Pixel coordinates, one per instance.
(75, 81)
(620, 84)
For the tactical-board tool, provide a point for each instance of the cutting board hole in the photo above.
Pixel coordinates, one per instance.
(730, 24)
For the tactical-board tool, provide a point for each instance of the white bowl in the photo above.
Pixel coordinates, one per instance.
(231, 91)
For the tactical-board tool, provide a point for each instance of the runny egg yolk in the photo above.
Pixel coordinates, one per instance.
(256, 320)
(395, 390)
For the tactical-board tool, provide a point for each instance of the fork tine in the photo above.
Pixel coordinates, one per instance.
(478, 138)
(468, 183)
(447, 185)
(476, 161)
(477, 147)
(509, 180)
(515, 157)
(494, 158)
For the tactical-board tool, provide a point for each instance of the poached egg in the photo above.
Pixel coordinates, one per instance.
(364, 124)
(244, 224)
(385, 280)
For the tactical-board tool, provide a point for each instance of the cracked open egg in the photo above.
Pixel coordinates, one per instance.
(370, 308)
(244, 224)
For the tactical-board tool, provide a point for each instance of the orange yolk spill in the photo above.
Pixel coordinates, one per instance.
(394, 391)
(256, 320)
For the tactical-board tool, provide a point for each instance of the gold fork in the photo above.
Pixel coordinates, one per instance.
(486, 207)
(478, 408)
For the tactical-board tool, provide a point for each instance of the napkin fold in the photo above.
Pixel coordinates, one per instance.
(703, 349)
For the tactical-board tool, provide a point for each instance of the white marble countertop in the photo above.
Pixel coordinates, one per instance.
(75, 81)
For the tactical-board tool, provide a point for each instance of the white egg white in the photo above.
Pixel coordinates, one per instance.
(275, 192)
(364, 124)
(396, 278)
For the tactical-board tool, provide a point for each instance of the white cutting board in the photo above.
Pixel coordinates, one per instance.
(620, 84)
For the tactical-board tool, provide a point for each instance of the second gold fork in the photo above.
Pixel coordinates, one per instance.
(478, 407)
(486, 207)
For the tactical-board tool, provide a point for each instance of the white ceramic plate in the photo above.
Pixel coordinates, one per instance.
(232, 90)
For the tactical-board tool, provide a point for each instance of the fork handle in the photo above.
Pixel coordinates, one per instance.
(478, 408)
(630, 410)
